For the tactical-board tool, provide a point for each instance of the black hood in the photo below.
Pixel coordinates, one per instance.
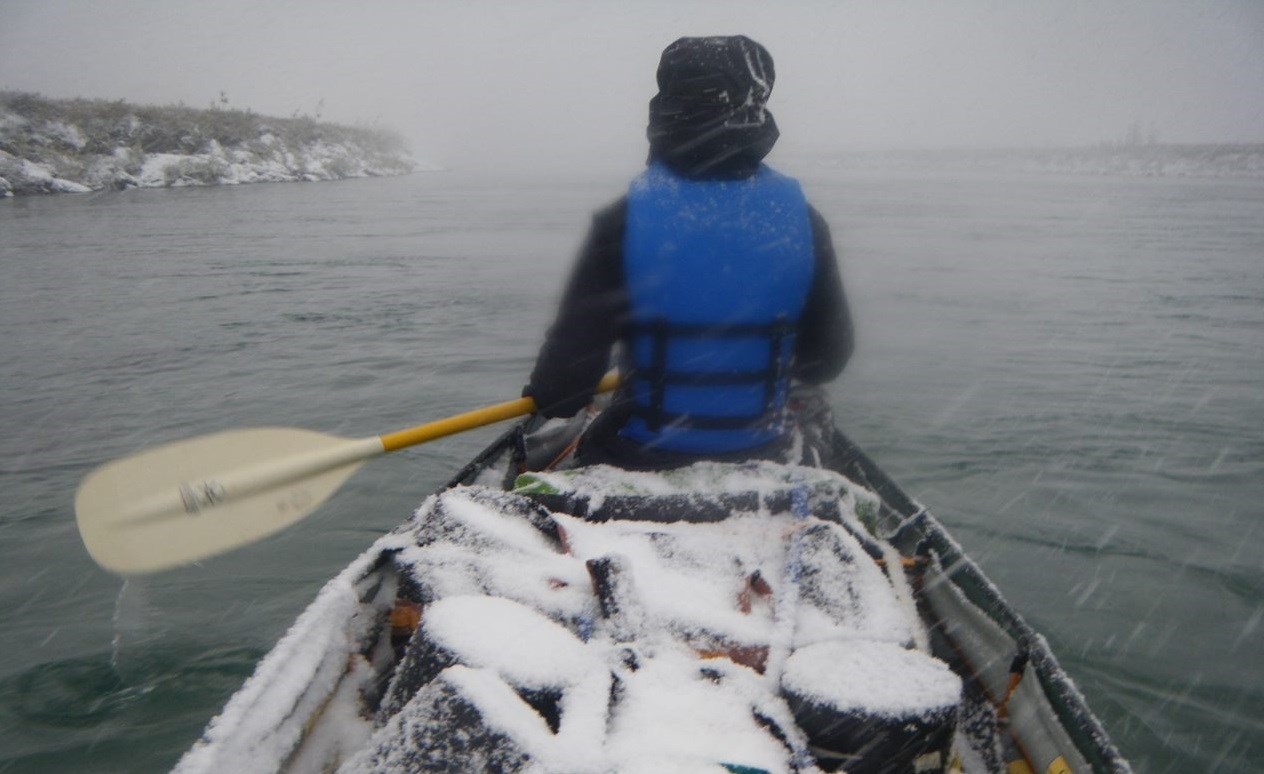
(709, 119)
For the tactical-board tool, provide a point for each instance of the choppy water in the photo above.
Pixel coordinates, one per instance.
(1068, 370)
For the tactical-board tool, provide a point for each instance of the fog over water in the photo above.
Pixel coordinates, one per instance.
(548, 83)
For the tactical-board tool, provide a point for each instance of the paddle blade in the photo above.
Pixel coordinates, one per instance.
(175, 504)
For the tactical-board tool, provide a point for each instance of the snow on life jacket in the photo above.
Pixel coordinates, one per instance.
(717, 272)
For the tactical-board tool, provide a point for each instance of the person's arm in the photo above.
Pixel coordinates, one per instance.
(576, 350)
(825, 338)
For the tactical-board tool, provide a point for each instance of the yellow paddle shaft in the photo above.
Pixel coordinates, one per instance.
(488, 415)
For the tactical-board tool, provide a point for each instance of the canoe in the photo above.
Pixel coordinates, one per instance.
(752, 617)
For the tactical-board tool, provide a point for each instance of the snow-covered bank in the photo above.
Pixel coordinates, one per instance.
(75, 146)
(1221, 160)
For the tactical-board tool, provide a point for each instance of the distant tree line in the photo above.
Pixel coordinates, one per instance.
(104, 125)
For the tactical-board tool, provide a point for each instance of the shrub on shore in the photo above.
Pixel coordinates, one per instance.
(49, 145)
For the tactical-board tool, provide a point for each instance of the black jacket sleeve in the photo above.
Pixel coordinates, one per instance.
(577, 348)
(826, 338)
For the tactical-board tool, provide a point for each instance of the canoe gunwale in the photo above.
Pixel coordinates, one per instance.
(913, 529)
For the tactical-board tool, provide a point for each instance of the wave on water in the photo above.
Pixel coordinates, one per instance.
(83, 714)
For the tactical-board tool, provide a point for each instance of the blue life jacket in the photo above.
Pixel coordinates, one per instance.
(717, 274)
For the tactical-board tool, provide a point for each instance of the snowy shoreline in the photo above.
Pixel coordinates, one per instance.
(78, 146)
(1210, 161)
(218, 166)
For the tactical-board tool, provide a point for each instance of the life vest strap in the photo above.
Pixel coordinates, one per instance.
(716, 379)
(698, 422)
(659, 377)
(661, 327)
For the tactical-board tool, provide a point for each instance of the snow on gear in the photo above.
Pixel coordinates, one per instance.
(583, 620)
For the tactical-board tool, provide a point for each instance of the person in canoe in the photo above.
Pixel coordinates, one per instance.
(713, 274)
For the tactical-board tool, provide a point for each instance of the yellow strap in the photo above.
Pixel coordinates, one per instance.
(1059, 766)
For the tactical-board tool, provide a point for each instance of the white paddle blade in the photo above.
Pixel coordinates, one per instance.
(175, 504)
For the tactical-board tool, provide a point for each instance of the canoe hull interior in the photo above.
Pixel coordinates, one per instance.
(361, 682)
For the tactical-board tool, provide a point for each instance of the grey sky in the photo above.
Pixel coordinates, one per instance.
(565, 80)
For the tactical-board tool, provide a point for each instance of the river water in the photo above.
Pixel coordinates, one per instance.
(1068, 370)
